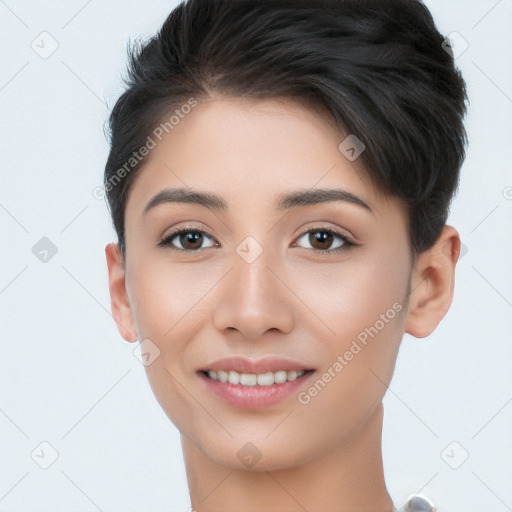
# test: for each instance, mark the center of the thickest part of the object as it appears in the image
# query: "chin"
(257, 455)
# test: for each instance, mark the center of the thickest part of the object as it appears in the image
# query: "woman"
(279, 180)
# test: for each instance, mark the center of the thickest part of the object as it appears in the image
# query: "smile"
(248, 383)
(252, 379)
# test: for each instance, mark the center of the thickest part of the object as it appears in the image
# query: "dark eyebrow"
(285, 201)
(319, 195)
(185, 195)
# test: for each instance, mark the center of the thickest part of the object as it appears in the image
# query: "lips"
(260, 366)
(246, 383)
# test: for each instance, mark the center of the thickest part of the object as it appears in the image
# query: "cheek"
(361, 304)
(169, 297)
(170, 311)
(350, 296)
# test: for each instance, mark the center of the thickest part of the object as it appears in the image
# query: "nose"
(255, 297)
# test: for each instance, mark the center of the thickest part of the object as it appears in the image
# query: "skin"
(290, 302)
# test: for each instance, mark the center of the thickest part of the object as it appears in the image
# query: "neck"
(346, 478)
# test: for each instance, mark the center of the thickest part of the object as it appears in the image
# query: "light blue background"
(68, 378)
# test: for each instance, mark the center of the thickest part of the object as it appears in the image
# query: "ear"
(432, 284)
(119, 302)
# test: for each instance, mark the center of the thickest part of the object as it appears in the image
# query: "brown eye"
(321, 240)
(189, 240)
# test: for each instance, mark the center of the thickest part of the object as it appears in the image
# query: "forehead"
(251, 152)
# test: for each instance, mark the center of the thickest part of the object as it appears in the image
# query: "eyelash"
(347, 243)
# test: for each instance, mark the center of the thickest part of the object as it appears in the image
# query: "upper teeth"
(252, 379)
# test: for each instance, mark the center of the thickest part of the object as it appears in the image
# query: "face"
(310, 286)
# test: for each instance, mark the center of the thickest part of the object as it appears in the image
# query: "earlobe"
(120, 304)
(432, 284)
